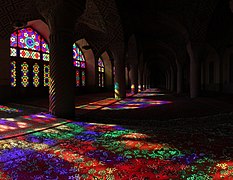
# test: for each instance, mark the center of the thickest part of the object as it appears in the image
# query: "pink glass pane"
(83, 65)
(13, 40)
(44, 46)
(28, 39)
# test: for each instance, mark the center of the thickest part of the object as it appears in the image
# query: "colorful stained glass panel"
(76, 63)
(29, 54)
(29, 39)
(99, 80)
(75, 53)
(102, 80)
(36, 78)
(13, 74)
(24, 74)
(83, 64)
(46, 75)
(83, 78)
(77, 78)
(13, 39)
(100, 62)
(13, 52)
(44, 46)
(46, 57)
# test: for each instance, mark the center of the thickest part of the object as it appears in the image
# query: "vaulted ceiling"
(162, 27)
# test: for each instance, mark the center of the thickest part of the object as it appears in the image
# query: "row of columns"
(62, 17)
(194, 75)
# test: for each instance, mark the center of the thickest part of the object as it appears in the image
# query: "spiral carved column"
(62, 76)
(61, 16)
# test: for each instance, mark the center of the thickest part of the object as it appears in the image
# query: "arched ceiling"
(153, 22)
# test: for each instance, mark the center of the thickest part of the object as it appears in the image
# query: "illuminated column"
(194, 73)
(133, 74)
(140, 80)
(119, 63)
(61, 17)
(179, 78)
(127, 76)
(144, 80)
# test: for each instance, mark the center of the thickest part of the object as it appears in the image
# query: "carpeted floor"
(80, 150)
(198, 147)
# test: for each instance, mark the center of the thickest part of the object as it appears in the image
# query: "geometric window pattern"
(46, 75)
(101, 72)
(36, 78)
(80, 65)
(13, 74)
(24, 74)
(28, 49)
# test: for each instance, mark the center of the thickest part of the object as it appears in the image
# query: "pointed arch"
(29, 53)
(80, 66)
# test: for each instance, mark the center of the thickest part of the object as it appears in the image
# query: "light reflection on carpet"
(9, 109)
(10, 127)
(131, 103)
(98, 104)
(95, 151)
(142, 94)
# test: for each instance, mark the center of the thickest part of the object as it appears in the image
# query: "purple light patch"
(135, 104)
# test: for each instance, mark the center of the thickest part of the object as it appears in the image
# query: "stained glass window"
(46, 75)
(27, 45)
(29, 39)
(36, 78)
(29, 54)
(83, 78)
(77, 78)
(80, 65)
(13, 74)
(24, 74)
(101, 72)
(13, 52)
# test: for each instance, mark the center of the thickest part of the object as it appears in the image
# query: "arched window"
(101, 72)
(80, 66)
(29, 54)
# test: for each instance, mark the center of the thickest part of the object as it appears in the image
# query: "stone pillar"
(133, 74)
(127, 76)
(168, 80)
(194, 73)
(172, 87)
(5, 78)
(140, 80)
(179, 78)
(119, 64)
(61, 17)
(144, 80)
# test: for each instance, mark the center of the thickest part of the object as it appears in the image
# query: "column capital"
(61, 14)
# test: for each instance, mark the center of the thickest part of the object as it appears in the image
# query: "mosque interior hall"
(116, 89)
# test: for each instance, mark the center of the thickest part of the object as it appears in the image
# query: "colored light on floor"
(135, 104)
(97, 104)
(9, 109)
(96, 151)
